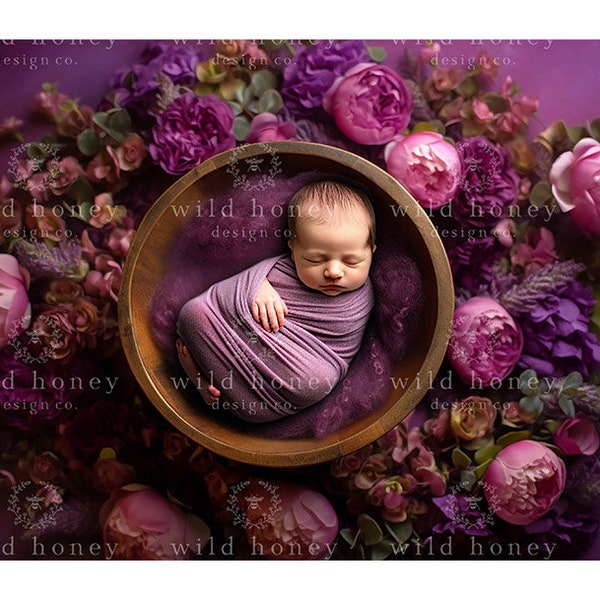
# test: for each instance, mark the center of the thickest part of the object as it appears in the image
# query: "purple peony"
(556, 333)
(190, 130)
(489, 184)
(136, 86)
(313, 71)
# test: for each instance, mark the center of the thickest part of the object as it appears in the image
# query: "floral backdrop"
(500, 459)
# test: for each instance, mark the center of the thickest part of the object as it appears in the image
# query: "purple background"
(563, 74)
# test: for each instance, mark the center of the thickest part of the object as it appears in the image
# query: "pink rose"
(472, 420)
(266, 127)
(63, 174)
(371, 104)
(577, 435)
(304, 527)
(15, 309)
(524, 481)
(392, 495)
(140, 524)
(575, 179)
(427, 165)
(485, 343)
(130, 154)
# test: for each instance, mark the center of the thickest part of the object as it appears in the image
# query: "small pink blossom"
(524, 481)
(49, 101)
(392, 495)
(15, 309)
(104, 211)
(577, 435)
(537, 250)
(266, 127)
(63, 174)
(131, 153)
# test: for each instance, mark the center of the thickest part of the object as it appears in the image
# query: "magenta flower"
(575, 179)
(371, 104)
(427, 165)
(296, 523)
(577, 435)
(143, 525)
(485, 344)
(15, 309)
(190, 130)
(266, 127)
(524, 481)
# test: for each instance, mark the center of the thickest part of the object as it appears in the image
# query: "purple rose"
(371, 104)
(427, 165)
(556, 333)
(190, 130)
(313, 71)
(489, 184)
(485, 343)
(136, 86)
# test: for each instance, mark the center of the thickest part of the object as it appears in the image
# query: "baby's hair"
(332, 195)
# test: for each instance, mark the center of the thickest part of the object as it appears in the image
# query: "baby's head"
(332, 227)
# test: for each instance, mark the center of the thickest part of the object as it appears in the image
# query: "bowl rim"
(292, 452)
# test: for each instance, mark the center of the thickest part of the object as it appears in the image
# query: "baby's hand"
(268, 308)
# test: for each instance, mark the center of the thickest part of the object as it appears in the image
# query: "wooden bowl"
(144, 269)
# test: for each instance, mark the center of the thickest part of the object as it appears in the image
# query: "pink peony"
(485, 343)
(266, 127)
(370, 103)
(427, 165)
(15, 309)
(524, 481)
(575, 179)
(290, 522)
(143, 525)
(577, 435)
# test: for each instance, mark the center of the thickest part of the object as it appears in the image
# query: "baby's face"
(333, 257)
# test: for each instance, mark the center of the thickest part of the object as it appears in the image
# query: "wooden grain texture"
(144, 269)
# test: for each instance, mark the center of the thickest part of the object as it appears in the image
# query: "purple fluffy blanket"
(263, 375)
(202, 255)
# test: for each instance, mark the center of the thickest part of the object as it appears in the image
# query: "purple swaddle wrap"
(263, 375)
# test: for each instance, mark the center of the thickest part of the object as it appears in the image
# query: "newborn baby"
(278, 337)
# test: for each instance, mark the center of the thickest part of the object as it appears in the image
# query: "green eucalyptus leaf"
(370, 530)
(511, 437)
(382, 550)
(236, 107)
(262, 81)
(270, 101)
(595, 129)
(460, 459)
(377, 53)
(572, 381)
(495, 102)
(83, 193)
(540, 194)
(566, 405)
(241, 128)
(528, 381)
(482, 468)
(577, 133)
(88, 142)
(401, 532)
(486, 453)
(531, 404)
(350, 537)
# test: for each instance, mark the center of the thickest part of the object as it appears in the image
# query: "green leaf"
(528, 381)
(262, 81)
(566, 405)
(270, 101)
(237, 108)
(401, 532)
(531, 404)
(486, 453)
(350, 536)
(511, 437)
(540, 193)
(495, 102)
(482, 468)
(381, 551)
(468, 480)
(241, 128)
(116, 122)
(88, 142)
(83, 193)
(435, 126)
(595, 129)
(369, 529)
(377, 53)
(577, 133)
(572, 381)
(460, 459)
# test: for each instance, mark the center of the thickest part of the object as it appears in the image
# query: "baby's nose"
(334, 271)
